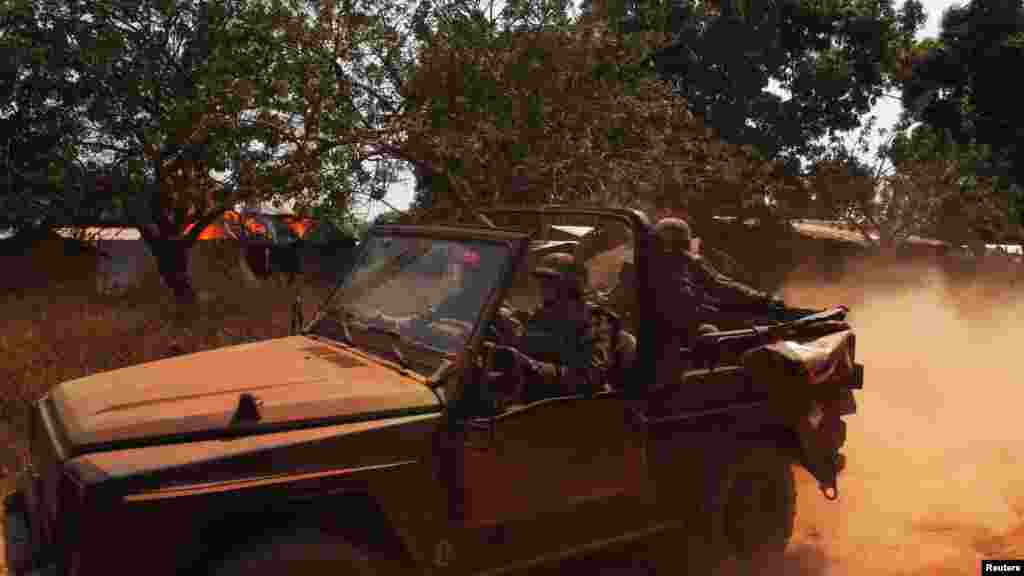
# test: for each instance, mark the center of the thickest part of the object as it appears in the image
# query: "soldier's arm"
(725, 289)
(547, 376)
(578, 374)
(626, 348)
(608, 361)
(554, 379)
(623, 355)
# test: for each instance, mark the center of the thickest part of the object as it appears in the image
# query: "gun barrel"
(751, 337)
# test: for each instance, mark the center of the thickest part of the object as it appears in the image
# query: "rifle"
(708, 348)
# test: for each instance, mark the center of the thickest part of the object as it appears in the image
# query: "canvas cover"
(788, 367)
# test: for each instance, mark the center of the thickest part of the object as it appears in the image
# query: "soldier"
(700, 293)
(560, 348)
(692, 292)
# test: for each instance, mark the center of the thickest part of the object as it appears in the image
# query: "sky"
(887, 110)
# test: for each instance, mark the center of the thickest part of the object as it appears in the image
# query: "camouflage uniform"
(564, 351)
(692, 296)
(691, 287)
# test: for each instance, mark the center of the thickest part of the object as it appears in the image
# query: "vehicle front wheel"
(302, 551)
(760, 510)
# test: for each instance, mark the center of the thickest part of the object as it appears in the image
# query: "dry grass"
(56, 327)
(66, 331)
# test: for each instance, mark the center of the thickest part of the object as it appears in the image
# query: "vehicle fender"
(355, 518)
(198, 525)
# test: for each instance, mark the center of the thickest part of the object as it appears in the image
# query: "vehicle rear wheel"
(302, 551)
(760, 510)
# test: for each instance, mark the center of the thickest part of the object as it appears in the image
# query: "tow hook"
(831, 490)
(831, 493)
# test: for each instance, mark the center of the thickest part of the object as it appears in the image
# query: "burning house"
(258, 244)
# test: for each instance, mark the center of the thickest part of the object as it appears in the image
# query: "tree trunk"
(172, 257)
(243, 262)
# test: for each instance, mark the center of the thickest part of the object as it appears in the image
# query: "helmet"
(673, 235)
(561, 266)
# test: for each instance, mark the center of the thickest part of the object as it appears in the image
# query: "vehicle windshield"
(413, 299)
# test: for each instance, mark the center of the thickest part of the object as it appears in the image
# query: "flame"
(300, 226)
(208, 233)
(218, 231)
(255, 227)
(214, 231)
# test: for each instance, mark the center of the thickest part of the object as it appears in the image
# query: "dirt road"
(933, 484)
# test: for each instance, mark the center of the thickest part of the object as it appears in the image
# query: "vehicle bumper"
(22, 558)
(823, 433)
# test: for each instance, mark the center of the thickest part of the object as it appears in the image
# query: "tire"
(682, 553)
(302, 551)
(760, 510)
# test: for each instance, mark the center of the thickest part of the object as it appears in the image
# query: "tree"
(956, 86)
(729, 58)
(977, 207)
(904, 192)
(555, 113)
(41, 177)
(201, 105)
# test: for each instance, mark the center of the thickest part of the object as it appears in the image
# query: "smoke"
(932, 486)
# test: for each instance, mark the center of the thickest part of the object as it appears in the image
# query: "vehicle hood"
(296, 380)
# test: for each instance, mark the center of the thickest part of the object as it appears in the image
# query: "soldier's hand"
(507, 324)
(508, 359)
(505, 358)
(529, 365)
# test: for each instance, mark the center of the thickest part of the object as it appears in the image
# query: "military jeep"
(376, 439)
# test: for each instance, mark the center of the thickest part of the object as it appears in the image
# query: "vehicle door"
(556, 476)
(551, 476)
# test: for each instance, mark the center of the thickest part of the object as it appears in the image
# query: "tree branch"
(389, 205)
(342, 76)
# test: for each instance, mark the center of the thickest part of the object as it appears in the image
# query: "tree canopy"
(778, 75)
(43, 177)
(956, 87)
(532, 111)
